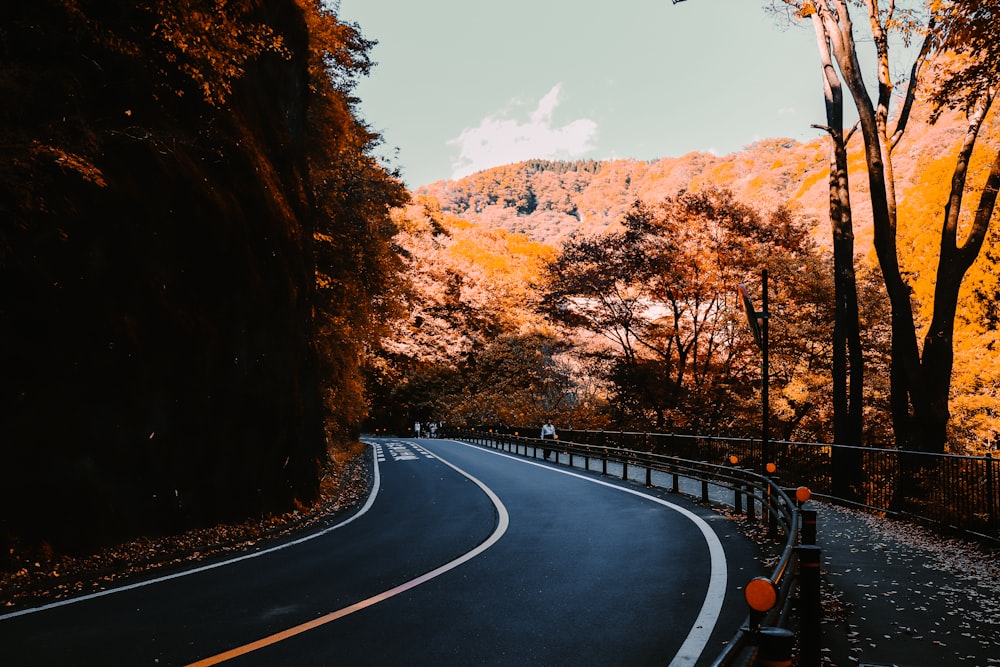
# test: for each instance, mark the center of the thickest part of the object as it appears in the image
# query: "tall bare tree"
(920, 376)
(848, 355)
(920, 380)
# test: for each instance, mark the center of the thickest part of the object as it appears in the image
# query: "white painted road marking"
(426, 454)
(400, 450)
(503, 521)
(111, 591)
(708, 616)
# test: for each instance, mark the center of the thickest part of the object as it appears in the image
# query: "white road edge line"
(701, 631)
(204, 568)
(503, 521)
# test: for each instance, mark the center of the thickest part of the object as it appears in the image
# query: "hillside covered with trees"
(194, 243)
(644, 343)
(209, 285)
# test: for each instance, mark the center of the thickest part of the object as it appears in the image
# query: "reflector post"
(760, 594)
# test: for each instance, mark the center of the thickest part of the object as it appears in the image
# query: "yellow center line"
(502, 523)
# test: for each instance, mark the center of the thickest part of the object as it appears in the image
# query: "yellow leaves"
(71, 162)
(213, 47)
(516, 259)
(453, 222)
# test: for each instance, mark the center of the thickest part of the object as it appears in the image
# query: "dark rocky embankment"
(156, 333)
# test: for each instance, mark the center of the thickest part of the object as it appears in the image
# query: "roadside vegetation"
(209, 286)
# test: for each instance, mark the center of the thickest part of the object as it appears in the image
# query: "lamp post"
(758, 325)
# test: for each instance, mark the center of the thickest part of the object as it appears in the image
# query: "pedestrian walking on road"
(548, 433)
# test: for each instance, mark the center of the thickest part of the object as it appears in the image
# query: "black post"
(810, 610)
(772, 514)
(775, 647)
(991, 508)
(808, 526)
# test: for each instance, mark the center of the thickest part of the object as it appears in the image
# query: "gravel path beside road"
(911, 596)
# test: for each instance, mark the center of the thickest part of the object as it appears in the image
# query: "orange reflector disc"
(734, 459)
(802, 494)
(771, 468)
(760, 594)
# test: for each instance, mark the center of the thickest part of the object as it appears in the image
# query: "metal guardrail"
(951, 491)
(763, 630)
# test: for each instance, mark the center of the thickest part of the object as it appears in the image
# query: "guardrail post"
(649, 476)
(772, 514)
(624, 469)
(738, 497)
(604, 462)
(704, 490)
(810, 611)
(751, 503)
(808, 535)
(775, 647)
(991, 508)
(677, 483)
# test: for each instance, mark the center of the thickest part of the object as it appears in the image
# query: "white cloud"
(499, 140)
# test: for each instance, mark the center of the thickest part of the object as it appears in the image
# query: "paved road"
(462, 555)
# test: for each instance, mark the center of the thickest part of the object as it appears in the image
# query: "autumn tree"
(357, 268)
(186, 195)
(471, 350)
(847, 351)
(921, 380)
(521, 380)
(660, 294)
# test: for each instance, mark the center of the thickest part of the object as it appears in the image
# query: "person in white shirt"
(548, 433)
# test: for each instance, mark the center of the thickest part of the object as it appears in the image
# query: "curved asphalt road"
(462, 556)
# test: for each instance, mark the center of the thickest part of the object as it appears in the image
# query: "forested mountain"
(208, 282)
(552, 201)
(562, 206)
(187, 208)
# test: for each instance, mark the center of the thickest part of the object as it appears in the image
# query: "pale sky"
(464, 85)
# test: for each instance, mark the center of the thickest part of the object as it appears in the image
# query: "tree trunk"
(905, 364)
(953, 263)
(848, 357)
